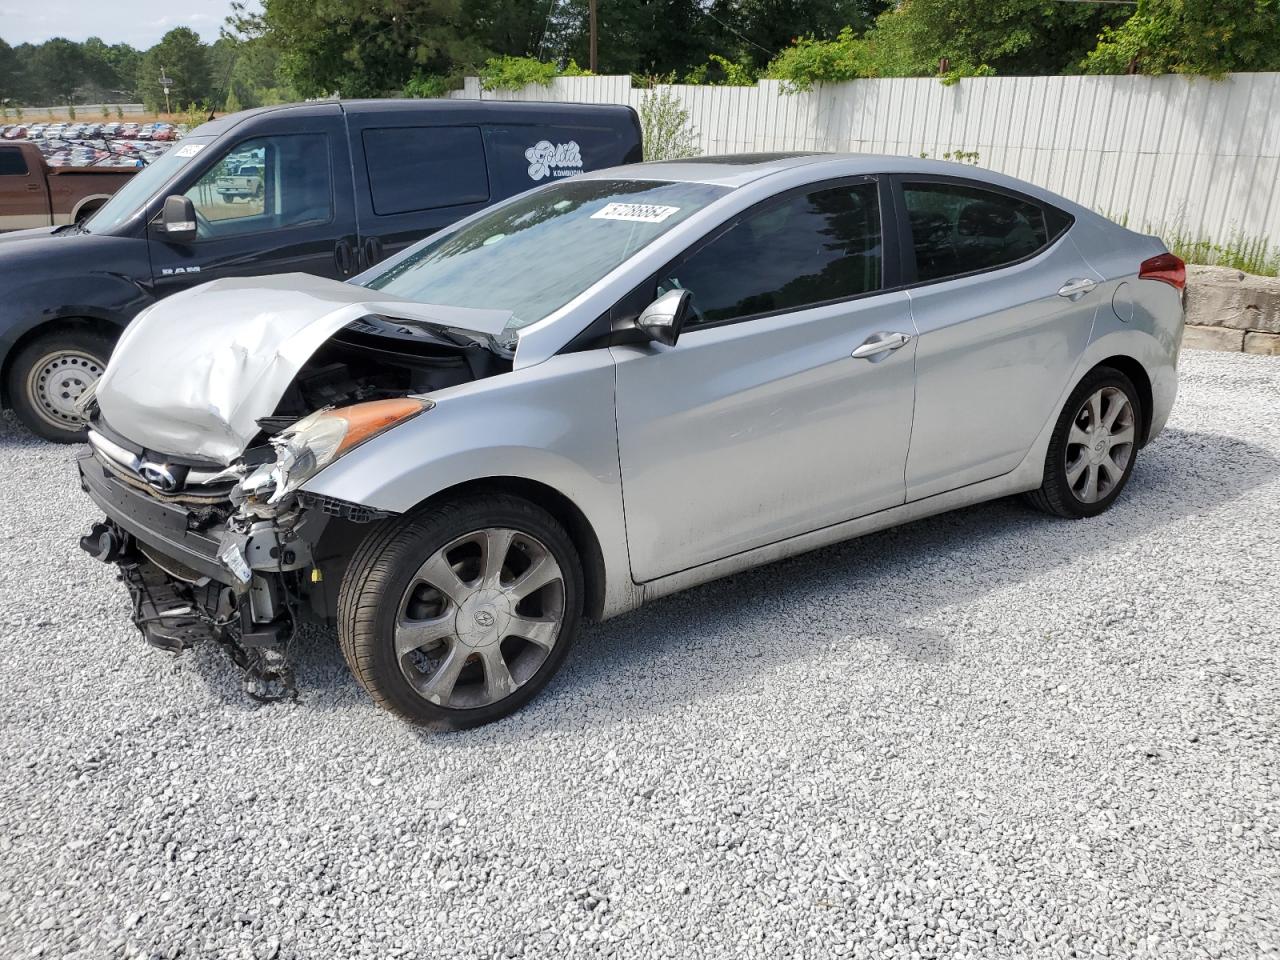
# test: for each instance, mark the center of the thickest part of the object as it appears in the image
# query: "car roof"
(739, 170)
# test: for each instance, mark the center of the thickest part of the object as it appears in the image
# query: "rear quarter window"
(421, 168)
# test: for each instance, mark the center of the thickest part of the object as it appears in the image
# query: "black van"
(323, 188)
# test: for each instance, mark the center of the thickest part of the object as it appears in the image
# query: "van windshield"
(145, 184)
(534, 255)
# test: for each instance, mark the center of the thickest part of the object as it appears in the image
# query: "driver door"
(760, 423)
(277, 202)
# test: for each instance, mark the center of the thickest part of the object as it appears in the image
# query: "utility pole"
(592, 56)
(166, 83)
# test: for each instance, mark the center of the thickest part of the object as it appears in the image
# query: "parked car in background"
(243, 183)
(36, 131)
(757, 355)
(35, 194)
(16, 132)
(344, 184)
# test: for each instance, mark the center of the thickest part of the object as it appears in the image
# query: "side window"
(805, 249)
(12, 163)
(958, 229)
(268, 183)
(419, 168)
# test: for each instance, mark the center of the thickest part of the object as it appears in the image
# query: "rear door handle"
(880, 343)
(1076, 288)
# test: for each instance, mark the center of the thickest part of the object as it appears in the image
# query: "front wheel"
(1093, 448)
(460, 615)
(49, 375)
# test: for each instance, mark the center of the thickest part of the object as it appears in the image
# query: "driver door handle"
(880, 343)
(1076, 288)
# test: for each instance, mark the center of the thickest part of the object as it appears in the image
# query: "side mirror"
(662, 320)
(178, 220)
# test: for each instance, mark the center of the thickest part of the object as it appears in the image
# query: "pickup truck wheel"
(458, 616)
(48, 376)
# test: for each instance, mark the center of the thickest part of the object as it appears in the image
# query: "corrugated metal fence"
(1170, 154)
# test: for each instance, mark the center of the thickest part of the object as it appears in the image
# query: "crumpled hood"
(192, 374)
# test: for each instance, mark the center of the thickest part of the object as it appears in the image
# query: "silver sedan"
(612, 388)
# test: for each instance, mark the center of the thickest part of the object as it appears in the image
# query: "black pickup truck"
(339, 185)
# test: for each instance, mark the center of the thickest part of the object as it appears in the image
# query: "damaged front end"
(222, 542)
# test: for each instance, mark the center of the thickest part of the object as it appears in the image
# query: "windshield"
(534, 255)
(144, 184)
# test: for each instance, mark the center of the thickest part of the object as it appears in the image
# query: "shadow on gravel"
(692, 645)
(718, 636)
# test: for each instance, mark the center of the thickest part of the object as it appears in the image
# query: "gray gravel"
(991, 734)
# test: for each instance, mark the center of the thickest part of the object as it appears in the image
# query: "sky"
(138, 22)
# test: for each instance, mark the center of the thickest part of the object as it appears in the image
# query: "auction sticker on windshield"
(635, 212)
(190, 149)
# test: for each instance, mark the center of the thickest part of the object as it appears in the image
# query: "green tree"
(1209, 37)
(61, 67)
(10, 73)
(185, 60)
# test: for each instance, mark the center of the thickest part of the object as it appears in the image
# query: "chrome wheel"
(56, 382)
(1100, 445)
(479, 618)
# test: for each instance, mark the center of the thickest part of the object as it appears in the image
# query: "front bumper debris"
(200, 575)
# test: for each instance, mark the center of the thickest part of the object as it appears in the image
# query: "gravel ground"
(990, 734)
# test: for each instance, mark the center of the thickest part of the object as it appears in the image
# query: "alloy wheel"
(1100, 444)
(479, 618)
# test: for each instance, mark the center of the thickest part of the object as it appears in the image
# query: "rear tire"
(440, 617)
(49, 374)
(1093, 448)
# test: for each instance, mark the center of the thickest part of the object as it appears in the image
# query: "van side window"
(12, 163)
(418, 168)
(267, 183)
(957, 229)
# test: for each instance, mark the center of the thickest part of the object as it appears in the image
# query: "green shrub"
(515, 73)
(428, 85)
(720, 71)
(664, 125)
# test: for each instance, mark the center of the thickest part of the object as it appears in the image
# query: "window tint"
(12, 163)
(804, 249)
(417, 168)
(958, 229)
(267, 183)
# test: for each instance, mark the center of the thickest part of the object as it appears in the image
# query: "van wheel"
(460, 615)
(48, 376)
(1093, 448)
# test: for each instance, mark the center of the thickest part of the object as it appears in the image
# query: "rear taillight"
(1166, 268)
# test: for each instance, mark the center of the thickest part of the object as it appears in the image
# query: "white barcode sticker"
(635, 212)
(189, 149)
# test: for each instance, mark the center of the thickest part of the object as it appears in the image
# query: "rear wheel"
(1094, 447)
(460, 615)
(49, 375)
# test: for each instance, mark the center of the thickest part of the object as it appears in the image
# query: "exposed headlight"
(315, 441)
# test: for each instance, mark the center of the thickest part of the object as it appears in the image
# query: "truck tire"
(49, 374)
(457, 616)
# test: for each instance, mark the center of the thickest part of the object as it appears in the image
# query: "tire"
(42, 401)
(395, 588)
(1081, 449)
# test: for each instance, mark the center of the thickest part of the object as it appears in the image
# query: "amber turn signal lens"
(365, 420)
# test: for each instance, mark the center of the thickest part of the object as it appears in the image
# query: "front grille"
(192, 485)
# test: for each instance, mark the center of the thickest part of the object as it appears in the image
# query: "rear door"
(997, 339)
(298, 215)
(24, 196)
(413, 177)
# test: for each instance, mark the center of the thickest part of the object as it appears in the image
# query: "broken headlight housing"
(305, 448)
